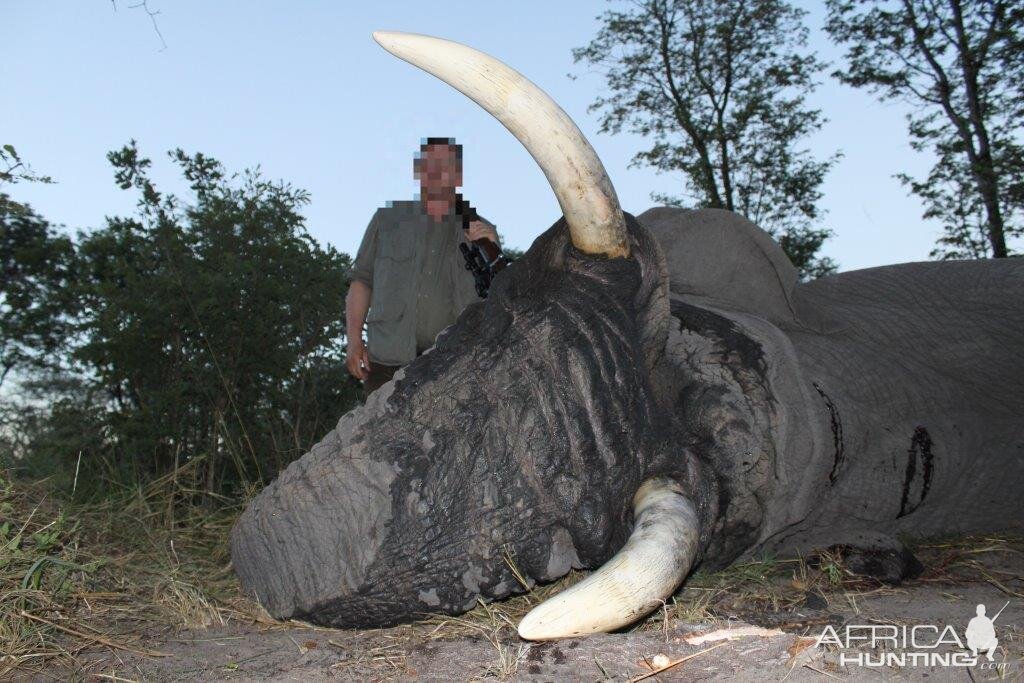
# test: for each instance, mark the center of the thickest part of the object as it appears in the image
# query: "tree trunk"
(990, 195)
(982, 166)
(682, 115)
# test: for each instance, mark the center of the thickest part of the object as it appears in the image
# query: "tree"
(211, 329)
(14, 169)
(961, 67)
(37, 264)
(720, 86)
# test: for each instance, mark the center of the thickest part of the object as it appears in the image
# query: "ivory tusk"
(571, 165)
(639, 578)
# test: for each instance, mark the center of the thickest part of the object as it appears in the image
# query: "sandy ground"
(781, 651)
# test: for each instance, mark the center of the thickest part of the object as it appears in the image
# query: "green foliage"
(512, 253)
(13, 169)
(951, 196)
(210, 330)
(720, 87)
(16, 170)
(801, 246)
(61, 433)
(37, 266)
(961, 66)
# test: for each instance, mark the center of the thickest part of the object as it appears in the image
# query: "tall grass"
(75, 577)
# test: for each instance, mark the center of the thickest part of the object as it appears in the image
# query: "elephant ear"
(719, 257)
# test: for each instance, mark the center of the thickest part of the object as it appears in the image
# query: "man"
(409, 274)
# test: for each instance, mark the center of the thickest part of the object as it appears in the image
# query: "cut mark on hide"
(920, 449)
(836, 423)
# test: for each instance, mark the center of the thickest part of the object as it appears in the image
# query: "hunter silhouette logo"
(981, 633)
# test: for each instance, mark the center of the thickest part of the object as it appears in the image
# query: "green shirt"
(418, 279)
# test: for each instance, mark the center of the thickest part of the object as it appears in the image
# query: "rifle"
(483, 257)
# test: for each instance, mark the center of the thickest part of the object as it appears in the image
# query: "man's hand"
(356, 305)
(358, 360)
(479, 229)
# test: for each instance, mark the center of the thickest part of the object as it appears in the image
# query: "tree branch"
(682, 112)
(144, 4)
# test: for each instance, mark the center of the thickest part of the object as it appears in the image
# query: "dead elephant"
(644, 396)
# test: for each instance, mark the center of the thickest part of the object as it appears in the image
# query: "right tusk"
(576, 174)
(641, 576)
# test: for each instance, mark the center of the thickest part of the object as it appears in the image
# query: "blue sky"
(301, 89)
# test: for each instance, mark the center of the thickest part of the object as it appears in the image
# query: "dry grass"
(118, 576)
(74, 578)
(741, 591)
(768, 591)
(771, 591)
(391, 653)
(496, 622)
(761, 586)
(954, 561)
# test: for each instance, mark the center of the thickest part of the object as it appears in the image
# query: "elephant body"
(645, 396)
(849, 410)
(854, 409)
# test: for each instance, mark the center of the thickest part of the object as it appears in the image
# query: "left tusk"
(641, 576)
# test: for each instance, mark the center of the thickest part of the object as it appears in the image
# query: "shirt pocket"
(396, 242)
(392, 274)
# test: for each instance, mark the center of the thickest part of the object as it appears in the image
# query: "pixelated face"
(439, 170)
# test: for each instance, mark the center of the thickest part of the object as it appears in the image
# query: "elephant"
(646, 395)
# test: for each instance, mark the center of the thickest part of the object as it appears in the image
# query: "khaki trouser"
(379, 375)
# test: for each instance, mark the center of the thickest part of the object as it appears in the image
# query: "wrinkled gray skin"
(843, 411)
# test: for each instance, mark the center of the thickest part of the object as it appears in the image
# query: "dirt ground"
(709, 627)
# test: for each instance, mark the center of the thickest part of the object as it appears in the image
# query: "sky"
(301, 90)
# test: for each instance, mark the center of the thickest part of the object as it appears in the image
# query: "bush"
(210, 330)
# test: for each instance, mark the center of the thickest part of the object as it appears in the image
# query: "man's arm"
(357, 303)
